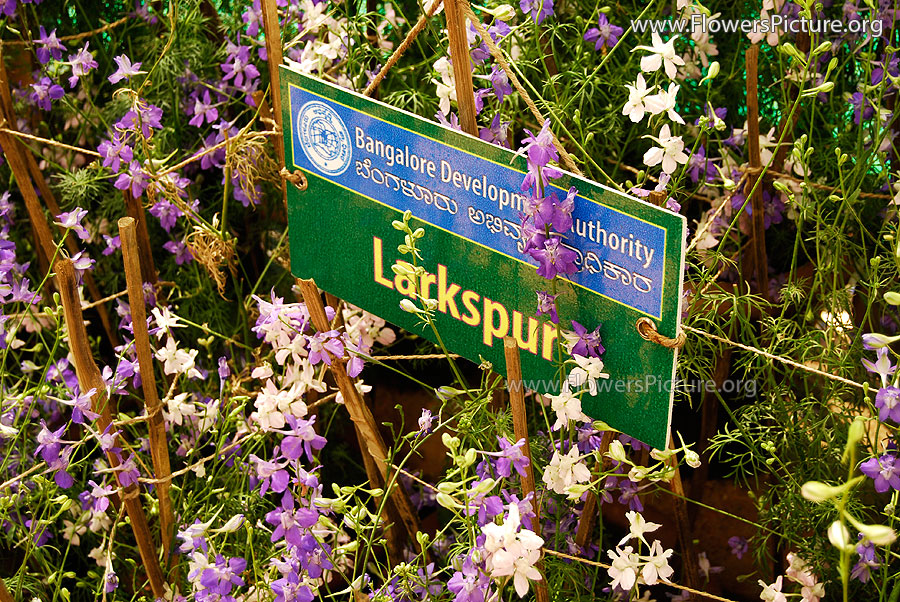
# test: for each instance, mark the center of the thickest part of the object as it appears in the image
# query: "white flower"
(164, 320)
(657, 566)
(178, 407)
(637, 526)
(177, 361)
(670, 151)
(587, 371)
(513, 552)
(662, 54)
(772, 593)
(664, 102)
(704, 47)
(624, 569)
(634, 107)
(567, 407)
(566, 470)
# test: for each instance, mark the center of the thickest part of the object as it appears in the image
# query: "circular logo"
(324, 138)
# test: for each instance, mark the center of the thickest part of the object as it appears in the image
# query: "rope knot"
(294, 177)
(647, 329)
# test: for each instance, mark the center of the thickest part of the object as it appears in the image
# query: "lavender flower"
(46, 91)
(539, 9)
(48, 46)
(72, 219)
(606, 35)
(554, 258)
(587, 344)
(547, 306)
(82, 62)
(887, 400)
(868, 560)
(135, 180)
(739, 546)
(126, 69)
(115, 152)
(884, 471)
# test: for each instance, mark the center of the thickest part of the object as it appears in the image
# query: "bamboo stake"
(516, 389)
(760, 261)
(5, 596)
(589, 512)
(159, 450)
(274, 59)
(136, 211)
(689, 566)
(89, 378)
(360, 414)
(462, 65)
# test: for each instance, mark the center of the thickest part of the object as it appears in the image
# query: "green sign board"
(367, 162)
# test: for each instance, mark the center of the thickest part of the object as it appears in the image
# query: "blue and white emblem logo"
(324, 138)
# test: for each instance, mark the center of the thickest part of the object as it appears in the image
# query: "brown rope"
(427, 356)
(404, 45)
(294, 177)
(647, 329)
(48, 142)
(77, 36)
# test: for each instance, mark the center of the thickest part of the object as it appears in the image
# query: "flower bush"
(165, 111)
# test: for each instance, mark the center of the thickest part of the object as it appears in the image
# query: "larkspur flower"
(48, 46)
(554, 258)
(884, 471)
(539, 9)
(635, 106)
(511, 457)
(881, 366)
(425, 421)
(583, 342)
(887, 400)
(670, 151)
(72, 219)
(323, 345)
(555, 213)
(116, 151)
(739, 546)
(565, 470)
(82, 62)
(46, 91)
(567, 407)
(868, 560)
(547, 306)
(126, 70)
(134, 180)
(662, 54)
(606, 35)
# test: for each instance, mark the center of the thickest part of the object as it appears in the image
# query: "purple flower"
(126, 70)
(272, 475)
(143, 117)
(863, 109)
(540, 148)
(739, 545)
(547, 306)
(882, 365)
(111, 582)
(887, 400)
(554, 258)
(699, 167)
(868, 560)
(500, 83)
(72, 219)
(115, 151)
(46, 91)
(134, 179)
(321, 343)
(605, 35)
(288, 589)
(128, 472)
(425, 421)
(49, 443)
(49, 46)
(81, 62)
(891, 65)
(883, 471)
(100, 494)
(558, 215)
(289, 522)
(237, 66)
(587, 343)
(497, 133)
(180, 250)
(81, 407)
(252, 17)
(204, 110)
(470, 583)
(167, 214)
(539, 9)
(221, 578)
(511, 457)
(303, 438)
(113, 244)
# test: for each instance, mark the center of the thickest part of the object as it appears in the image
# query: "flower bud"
(408, 306)
(874, 340)
(839, 536)
(617, 452)
(449, 441)
(484, 486)
(446, 501)
(892, 298)
(448, 487)
(234, 523)
(880, 535)
(403, 268)
(817, 491)
(575, 492)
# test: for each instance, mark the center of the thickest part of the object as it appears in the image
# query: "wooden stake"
(589, 512)
(760, 261)
(89, 378)
(462, 64)
(159, 449)
(5, 596)
(360, 414)
(689, 565)
(274, 59)
(136, 212)
(520, 426)
(657, 197)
